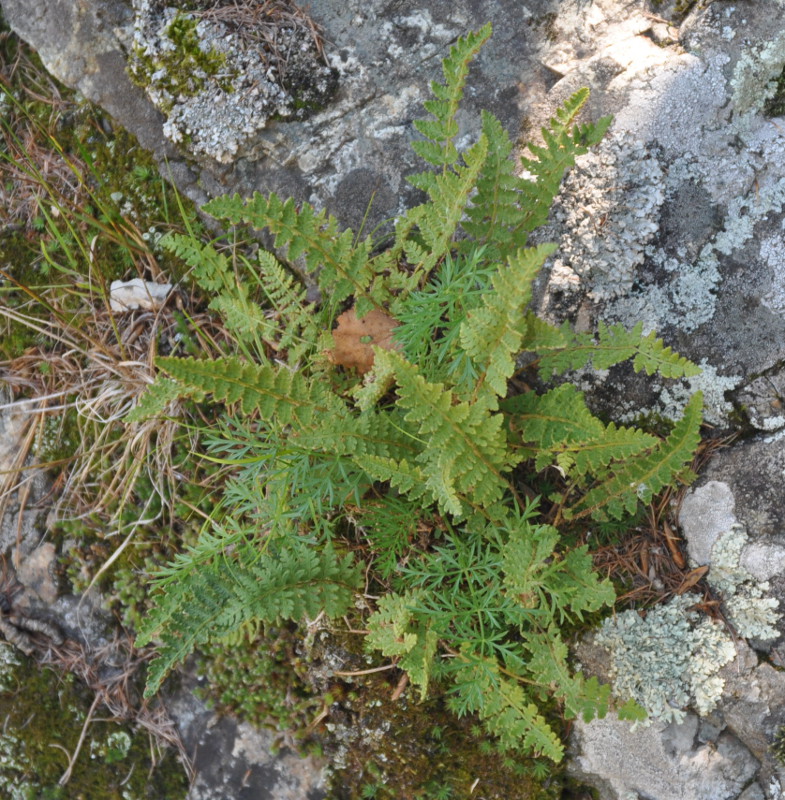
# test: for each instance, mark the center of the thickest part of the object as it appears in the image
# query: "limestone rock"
(666, 762)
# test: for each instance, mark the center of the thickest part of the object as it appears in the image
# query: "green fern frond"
(493, 333)
(559, 423)
(157, 397)
(282, 394)
(299, 322)
(615, 344)
(551, 588)
(465, 449)
(641, 477)
(230, 297)
(548, 661)
(407, 478)
(344, 269)
(449, 195)
(215, 601)
(496, 212)
(441, 131)
(551, 160)
(504, 707)
(370, 433)
(394, 631)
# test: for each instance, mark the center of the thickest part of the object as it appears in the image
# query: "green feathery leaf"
(219, 599)
(641, 477)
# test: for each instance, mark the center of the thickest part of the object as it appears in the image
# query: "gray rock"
(676, 220)
(352, 155)
(706, 513)
(662, 761)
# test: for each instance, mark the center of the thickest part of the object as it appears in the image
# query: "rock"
(662, 761)
(675, 221)
(234, 760)
(352, 155)
(137, 293)
(35, 572)
(706, 513)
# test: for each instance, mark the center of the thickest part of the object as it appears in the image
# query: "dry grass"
(88, 365)
(111, 672)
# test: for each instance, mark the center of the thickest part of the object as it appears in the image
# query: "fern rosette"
(424, 467)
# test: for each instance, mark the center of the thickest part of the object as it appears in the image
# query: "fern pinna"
(432, 433)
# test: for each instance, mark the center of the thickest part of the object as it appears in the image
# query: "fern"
(344, 269)
(504, 706)
(424, 464)
(218, 599)
(159, 395)
(283, 394)
(641, 477)
(492, 334)
(392, 630)
(466, 450)
(441, 131)
(561, 350)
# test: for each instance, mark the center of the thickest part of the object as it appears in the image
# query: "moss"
(777, 747)
(264, 682)
(184, 70)
(44, 715)
(389, 748)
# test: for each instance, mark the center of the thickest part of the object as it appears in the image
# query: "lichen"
(668, 660)
(752, 614)
(217, 85)
(755, 80)
(671, 658)
(610, 204)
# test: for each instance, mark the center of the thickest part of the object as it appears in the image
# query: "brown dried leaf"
(691, 578)
(354, 339)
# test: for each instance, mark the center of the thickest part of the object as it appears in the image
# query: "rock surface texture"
(675, 221)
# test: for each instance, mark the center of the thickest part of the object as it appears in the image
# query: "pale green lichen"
(753, 615)
(668, 660)
(672, 658)
(755, 80)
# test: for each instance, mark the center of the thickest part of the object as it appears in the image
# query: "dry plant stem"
(66, 776)
(364, 671)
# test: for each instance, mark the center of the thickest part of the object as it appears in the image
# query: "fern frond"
(504, 707)
(230, 298)
(394, 630)
(282, 394)
(408, 479)
(440, 150)
(370, 433)
(465, 450)
(215, 601)
(641, 477)
(551, 160)
(558, 589)
(615, 344)
(493, 333)
(495, 212)
(344, 269)
(299, 321)
(549, 653)
(558, 423)
(449, 195)
(157, 397)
